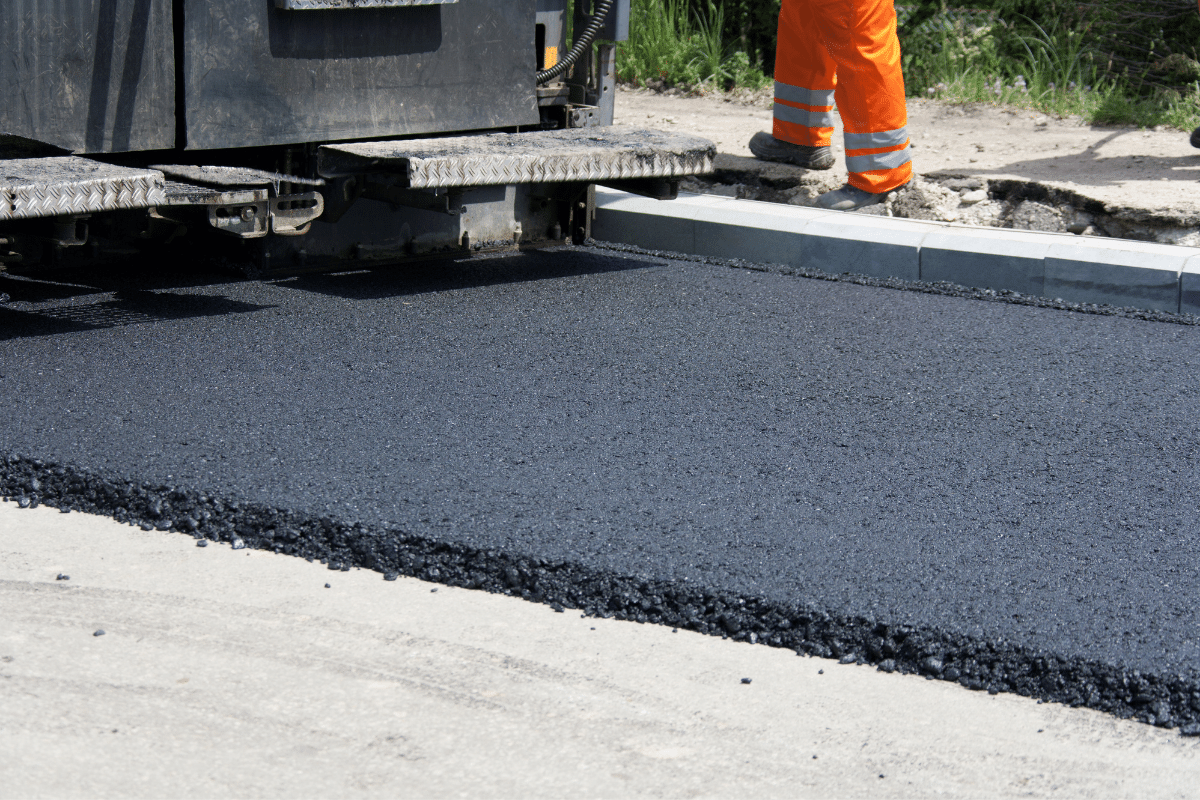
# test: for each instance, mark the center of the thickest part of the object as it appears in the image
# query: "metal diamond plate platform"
(51, 187)
(182, 193)
(232, 176)
(590, 155)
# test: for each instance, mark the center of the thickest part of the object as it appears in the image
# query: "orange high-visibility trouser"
(844, 51)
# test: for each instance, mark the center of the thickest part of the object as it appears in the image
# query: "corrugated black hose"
(581, 44)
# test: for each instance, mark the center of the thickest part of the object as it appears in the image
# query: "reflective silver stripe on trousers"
(874, 141)
(890, 160)
(798, 94)
(809, 119)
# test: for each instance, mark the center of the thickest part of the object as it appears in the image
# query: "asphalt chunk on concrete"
(998, 495)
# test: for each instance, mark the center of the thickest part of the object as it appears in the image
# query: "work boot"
(768, 148)
(850, 198)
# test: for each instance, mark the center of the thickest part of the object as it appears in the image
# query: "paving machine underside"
(308, 133)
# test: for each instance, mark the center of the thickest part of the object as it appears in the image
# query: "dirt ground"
(975, 164)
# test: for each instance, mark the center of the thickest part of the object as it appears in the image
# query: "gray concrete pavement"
(228, 673)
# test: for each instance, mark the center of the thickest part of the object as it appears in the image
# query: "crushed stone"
(983, 202)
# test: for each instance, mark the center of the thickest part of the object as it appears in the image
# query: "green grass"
(1105, 103)
(1054, 72)
(671, 46)
(955, 56)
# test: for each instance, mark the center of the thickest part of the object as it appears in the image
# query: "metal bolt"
(248, 213)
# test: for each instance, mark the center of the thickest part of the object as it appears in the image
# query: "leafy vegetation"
(1056, 62)
(672, 45)
(1109, 61)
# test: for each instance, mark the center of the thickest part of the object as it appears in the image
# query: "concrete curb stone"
(986, 258)
(774, 236)
(630, 219)
(1116, 272)
(1189, 287)
(879, 247)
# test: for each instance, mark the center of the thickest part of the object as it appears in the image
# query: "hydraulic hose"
(581, 44)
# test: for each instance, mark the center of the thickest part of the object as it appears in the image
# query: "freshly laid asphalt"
(815, 463)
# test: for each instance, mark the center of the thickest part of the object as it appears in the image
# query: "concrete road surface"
(226, 673)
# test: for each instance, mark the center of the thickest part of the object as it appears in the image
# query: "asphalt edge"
(979, 663)
(1061, 267)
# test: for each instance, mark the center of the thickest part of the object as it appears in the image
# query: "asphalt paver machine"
(286, 133)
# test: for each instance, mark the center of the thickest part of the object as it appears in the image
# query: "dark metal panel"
(255, 74)
(616, 24)
(90, 76)
(321, 5)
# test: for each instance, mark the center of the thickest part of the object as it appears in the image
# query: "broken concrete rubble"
(967, 200)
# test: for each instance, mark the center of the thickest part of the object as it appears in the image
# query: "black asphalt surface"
(998, 494)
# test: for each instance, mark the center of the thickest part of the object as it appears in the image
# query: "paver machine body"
(312, 132)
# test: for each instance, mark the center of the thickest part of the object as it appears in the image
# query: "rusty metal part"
(581, 116)
(249, 213)
(232, 176)
(244, 213)
(291, 214)
(243, 220)
(180, 193)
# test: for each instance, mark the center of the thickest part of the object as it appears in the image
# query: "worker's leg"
(860, 37)
(803, 119)
(804, 78)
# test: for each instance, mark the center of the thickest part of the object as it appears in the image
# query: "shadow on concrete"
(1090, 168)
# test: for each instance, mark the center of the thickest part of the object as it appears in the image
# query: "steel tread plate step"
(51, 187)
(182, 193)
(231, 177)
(564, 156)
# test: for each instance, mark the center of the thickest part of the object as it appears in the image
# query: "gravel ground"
(988, 493)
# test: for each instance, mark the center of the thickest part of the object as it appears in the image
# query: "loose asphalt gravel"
(1000, 494)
